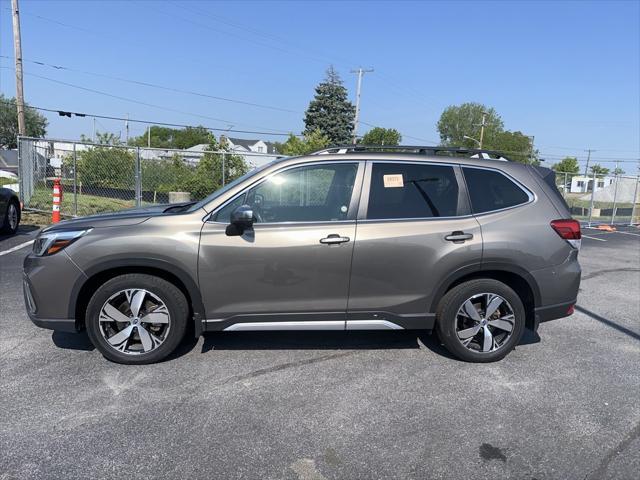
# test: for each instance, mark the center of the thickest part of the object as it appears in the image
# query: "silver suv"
(345, 239)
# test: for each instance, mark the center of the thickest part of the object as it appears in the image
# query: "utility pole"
(482, 125)
(126, 130)
(17, 46)
(586, 168)
(149, 136)
(93, 138)
(360, 71)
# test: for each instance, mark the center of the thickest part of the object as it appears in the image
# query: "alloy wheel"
(134, 321)
(485, 322)
(12, 215)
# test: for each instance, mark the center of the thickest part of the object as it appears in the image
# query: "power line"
(55, 21)
(161, 87)
(66, 113)
(131, 100)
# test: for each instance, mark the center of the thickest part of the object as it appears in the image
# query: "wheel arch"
(98, 275)
(521, 281)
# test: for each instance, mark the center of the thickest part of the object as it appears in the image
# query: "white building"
(582, 184)
(255, 152)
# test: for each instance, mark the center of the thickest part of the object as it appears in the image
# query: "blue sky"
(566, 72)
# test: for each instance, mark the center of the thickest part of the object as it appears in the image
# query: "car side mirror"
(241, 219)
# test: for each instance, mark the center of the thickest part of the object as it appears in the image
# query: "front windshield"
(229, 186)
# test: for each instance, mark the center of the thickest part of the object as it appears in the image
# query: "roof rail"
(416, 149)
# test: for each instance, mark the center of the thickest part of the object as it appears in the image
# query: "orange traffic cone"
(55, 213)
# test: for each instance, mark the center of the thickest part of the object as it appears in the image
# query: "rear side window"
(490, 190)
(406, 190)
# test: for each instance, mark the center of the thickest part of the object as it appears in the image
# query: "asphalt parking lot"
(564, 405)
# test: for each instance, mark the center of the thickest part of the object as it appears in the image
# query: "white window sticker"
(393, 181)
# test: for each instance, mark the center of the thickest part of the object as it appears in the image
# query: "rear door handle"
(459, 237)
(334, 239)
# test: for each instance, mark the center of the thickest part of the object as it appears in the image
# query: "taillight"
(568, 229)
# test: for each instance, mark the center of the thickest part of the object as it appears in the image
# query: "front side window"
(314, 193)
(491, 190)
(412, 190)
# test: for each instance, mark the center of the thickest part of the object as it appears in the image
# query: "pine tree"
(330, 111)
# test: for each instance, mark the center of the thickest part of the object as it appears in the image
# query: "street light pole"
(471, 138)
(484, 116)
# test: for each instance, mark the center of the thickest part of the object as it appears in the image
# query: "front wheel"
(136, 318)
(481, 320)
(11, 218)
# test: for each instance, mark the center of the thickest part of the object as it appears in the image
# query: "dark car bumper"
(553, 312)
(47, 287)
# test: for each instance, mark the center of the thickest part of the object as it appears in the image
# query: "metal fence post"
(75, 181)
(138, 174)
(615, 197)
(635, 197)
(223, 169)
(593, 192)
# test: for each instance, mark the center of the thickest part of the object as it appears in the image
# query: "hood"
(132, 216)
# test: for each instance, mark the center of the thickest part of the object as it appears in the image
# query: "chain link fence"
(599, 199)
(99, 178)
(105, 178)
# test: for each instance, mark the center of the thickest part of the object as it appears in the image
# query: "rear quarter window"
(490, 190)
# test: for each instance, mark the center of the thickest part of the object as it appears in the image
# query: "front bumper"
(47, 287)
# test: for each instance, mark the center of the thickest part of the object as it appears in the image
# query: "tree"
(598, 169)
(106, 167)
(330, 111)
(567, 165)
(618, 171)
(515, 145)
(178, 138)
(35, 123)
(382, 136)
(311, 142)
(456, 122)
(103, 138)
(207, 177)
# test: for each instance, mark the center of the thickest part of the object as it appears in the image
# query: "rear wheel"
(136, 318)
(11, 218)
(481, 320)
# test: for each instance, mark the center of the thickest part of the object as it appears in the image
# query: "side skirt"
(333, 321)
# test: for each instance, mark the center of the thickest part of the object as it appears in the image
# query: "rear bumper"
(559, 286)
(552, 312)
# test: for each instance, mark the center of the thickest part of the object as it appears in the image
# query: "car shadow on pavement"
(23, 230)
(72, 341)
(341, 340)
(291, 340)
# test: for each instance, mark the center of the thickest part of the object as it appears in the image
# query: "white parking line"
(631, 233)
(594, 238)
(17, 247)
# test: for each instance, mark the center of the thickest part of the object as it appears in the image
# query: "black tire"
(447, 319)
(167, 292)
(5, 228)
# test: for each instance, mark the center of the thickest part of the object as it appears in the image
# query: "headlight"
(48, 243)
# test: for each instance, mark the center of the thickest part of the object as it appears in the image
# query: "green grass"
(87, 204)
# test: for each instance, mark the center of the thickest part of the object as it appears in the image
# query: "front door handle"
(459, 237)
(334, 239)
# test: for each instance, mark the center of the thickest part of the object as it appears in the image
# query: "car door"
(414, 231)
(291, 270)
